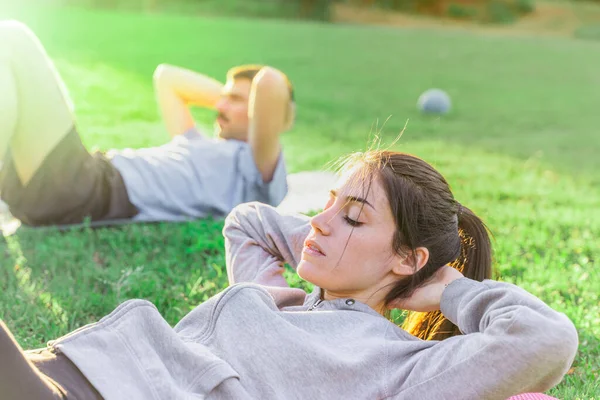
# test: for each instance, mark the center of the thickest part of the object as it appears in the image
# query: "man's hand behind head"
(277, 87)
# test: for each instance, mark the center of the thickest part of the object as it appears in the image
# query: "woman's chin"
(300, 270)
(306, 271)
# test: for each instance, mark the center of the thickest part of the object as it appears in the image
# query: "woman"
(391, 236)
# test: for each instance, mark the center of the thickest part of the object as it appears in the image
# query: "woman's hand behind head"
(427, 297)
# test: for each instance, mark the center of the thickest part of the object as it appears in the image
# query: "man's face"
(232, 108)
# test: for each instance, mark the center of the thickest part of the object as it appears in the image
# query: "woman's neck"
(372, 300)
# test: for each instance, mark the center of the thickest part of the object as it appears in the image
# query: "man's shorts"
(70, 186)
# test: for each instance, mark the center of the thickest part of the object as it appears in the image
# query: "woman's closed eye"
(352, 222)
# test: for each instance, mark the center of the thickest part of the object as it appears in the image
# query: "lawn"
(520, 148)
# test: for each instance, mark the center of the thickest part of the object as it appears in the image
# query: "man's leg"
(8, 106)
(35, 110)
(19, 379)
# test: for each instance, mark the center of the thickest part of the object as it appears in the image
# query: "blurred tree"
(501, 11)
(316, 9)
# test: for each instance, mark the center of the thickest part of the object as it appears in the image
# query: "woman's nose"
(321, 223)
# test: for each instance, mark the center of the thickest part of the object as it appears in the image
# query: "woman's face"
(348, 251)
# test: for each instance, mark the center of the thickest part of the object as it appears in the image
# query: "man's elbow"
(162, 72)
(270, 80)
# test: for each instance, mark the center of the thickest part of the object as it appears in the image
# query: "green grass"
(589, 31)
(520, 148)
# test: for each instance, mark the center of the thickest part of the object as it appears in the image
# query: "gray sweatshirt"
(273, 342)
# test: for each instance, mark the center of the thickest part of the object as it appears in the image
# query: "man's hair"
(249, 72)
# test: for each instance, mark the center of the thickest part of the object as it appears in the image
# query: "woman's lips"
(312, 248)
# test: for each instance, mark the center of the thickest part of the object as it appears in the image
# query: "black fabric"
(64, 374)
(19, 379)
(70, 186)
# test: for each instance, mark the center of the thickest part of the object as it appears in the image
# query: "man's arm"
(177, 89)
(270, 112)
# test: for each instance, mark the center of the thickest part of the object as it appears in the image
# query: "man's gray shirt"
(193, 176)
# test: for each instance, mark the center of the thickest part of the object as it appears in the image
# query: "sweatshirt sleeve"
(259, 240)
(512, 343)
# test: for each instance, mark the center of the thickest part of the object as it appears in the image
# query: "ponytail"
(475, 259)
(474, 262)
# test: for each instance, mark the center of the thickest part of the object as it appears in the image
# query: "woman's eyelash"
(352, 222)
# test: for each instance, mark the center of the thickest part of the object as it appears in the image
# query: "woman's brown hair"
(427, 215)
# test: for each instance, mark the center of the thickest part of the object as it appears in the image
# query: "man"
(48, 177)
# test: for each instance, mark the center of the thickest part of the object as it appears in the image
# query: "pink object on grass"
(532, 396)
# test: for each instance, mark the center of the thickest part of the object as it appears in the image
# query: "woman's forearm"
(258, 240)
(512, 343)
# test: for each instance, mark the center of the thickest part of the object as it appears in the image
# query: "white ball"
(434, 101)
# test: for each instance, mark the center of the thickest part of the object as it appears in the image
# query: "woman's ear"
(412, 262)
